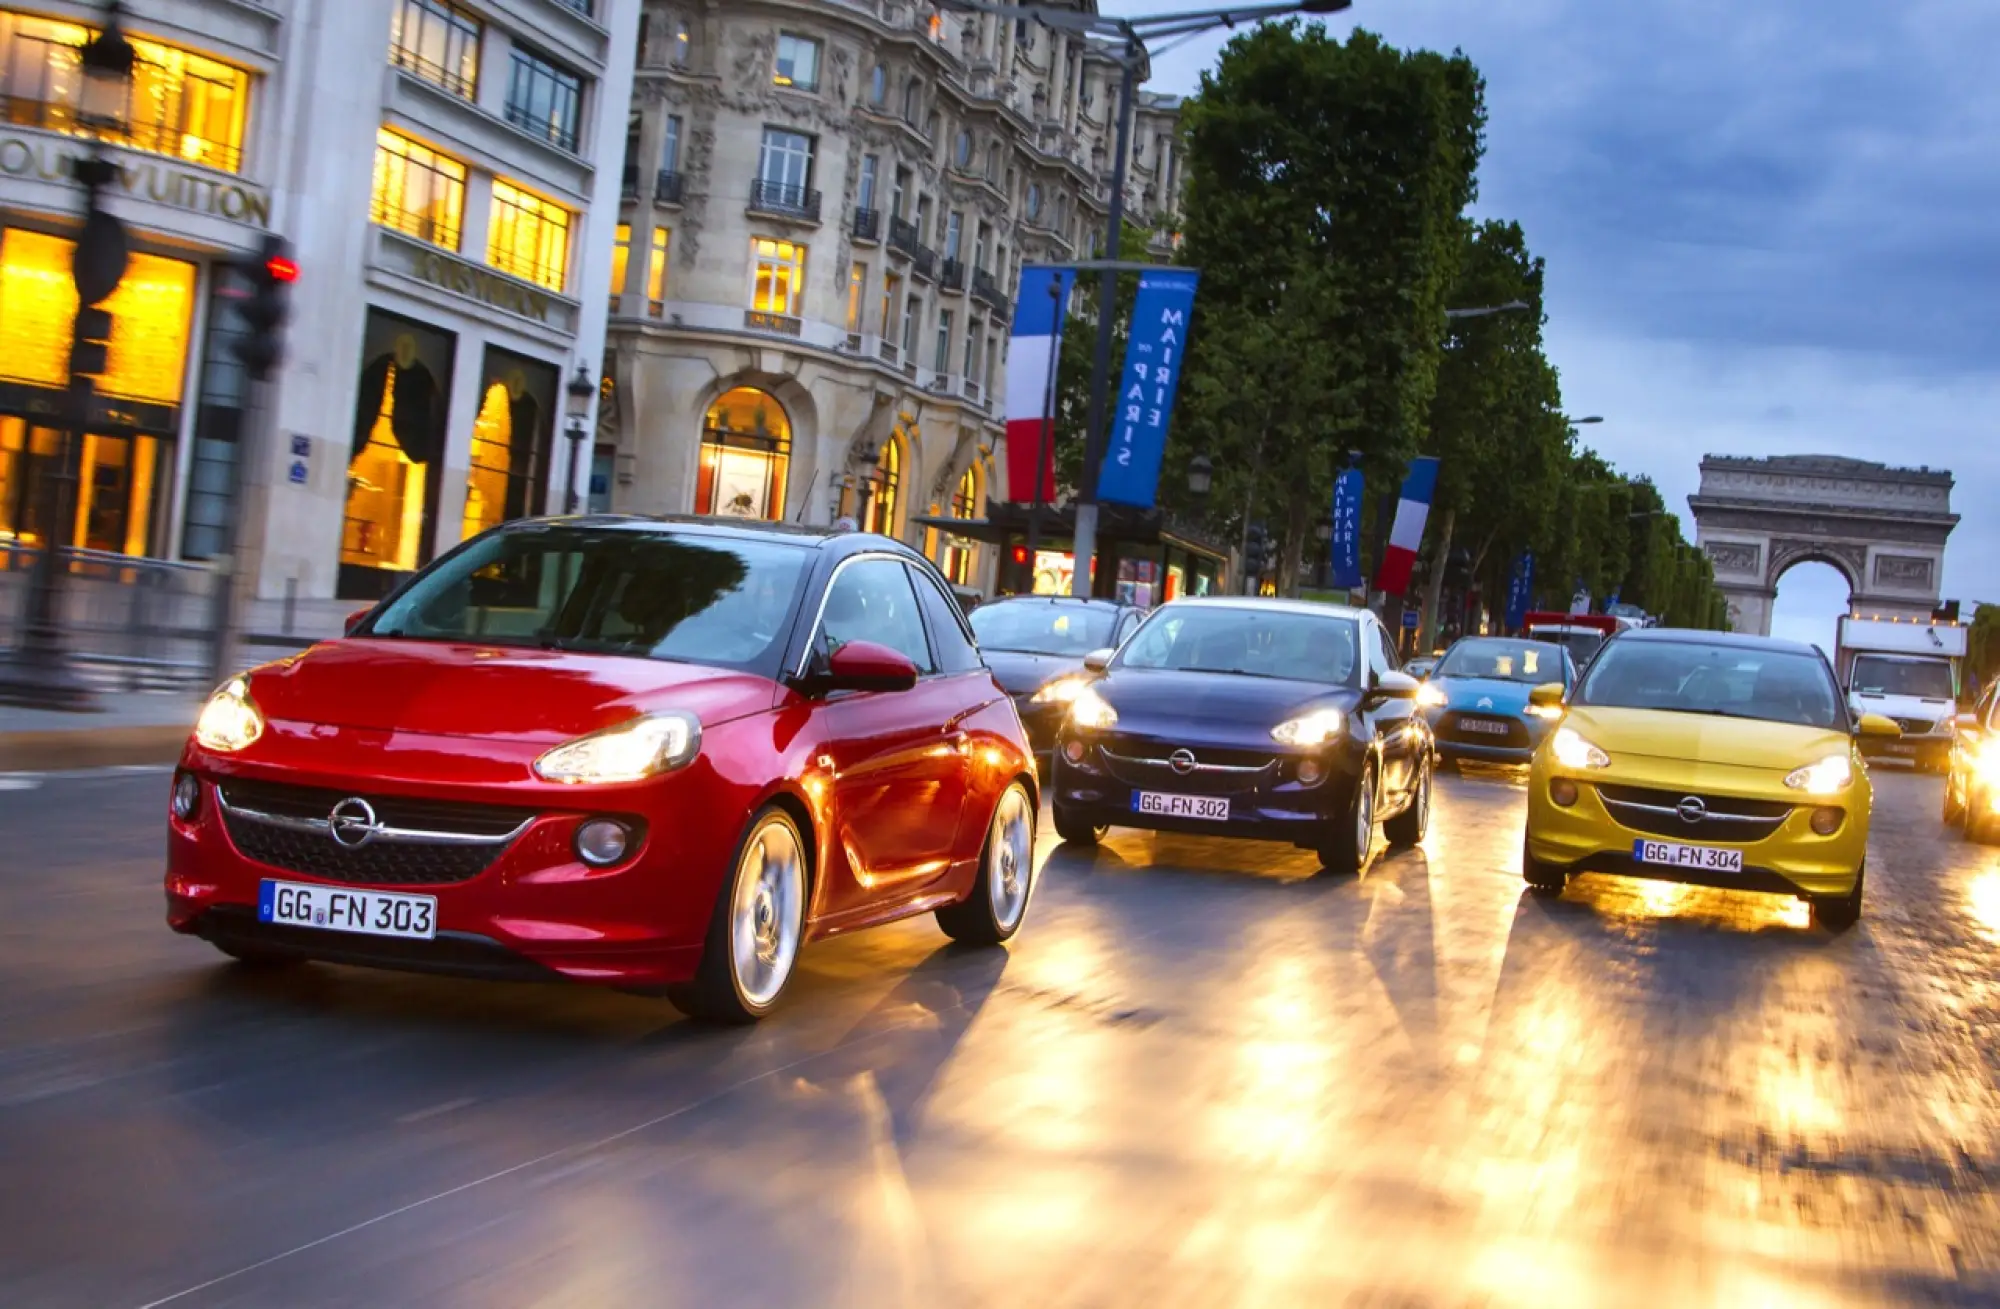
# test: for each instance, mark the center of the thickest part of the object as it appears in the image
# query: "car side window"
(1126, 626)
(950, 637)
(871, 600)
(1381, 659)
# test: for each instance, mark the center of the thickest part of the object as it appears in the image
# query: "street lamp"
(580, 391)
(1582, 422)
(1132, 35)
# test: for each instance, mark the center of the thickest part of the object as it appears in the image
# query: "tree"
(1983, 653)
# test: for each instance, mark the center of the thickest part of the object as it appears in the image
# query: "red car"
(655, 754)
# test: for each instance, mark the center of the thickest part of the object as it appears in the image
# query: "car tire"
(1978, 819)
(1075, 829)
(1408, 828)
(1954, 807)
(1542, 878)
(756, 929)
(1345, 848)
(1837, 913)
(992, 913)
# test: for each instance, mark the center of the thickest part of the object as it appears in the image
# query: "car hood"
(1484, 695)
(1159, 702)
(1019, 673)
(436, 688)
(1704, 738)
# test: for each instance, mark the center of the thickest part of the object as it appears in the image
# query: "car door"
(963, 673)
(899, 776)
(1394, 718)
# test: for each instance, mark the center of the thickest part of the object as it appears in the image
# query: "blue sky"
(1770, 228)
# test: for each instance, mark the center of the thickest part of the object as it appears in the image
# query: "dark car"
(1036, 645)
(1972, 770)
(1279, 720)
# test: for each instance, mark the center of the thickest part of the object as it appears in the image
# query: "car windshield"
(1040, 627)
(1701, 677)
(1200, 638)
(1581, 642)
(1924, 678)
(691, 598)
(1504, 661)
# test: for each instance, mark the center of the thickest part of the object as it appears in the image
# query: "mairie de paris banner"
(1347, 492)
(1154, 348)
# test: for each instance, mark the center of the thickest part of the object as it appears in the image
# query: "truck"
(1907, 670)
(1582, 633)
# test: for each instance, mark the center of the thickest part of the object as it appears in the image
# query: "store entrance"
(113, 498)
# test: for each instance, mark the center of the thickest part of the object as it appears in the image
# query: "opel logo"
(1181, 761)
(352, 823)
(1691, 809)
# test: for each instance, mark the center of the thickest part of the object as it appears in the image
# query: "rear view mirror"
(1098, 660)
(355, 620)
(1878, 726)
(1549, 695)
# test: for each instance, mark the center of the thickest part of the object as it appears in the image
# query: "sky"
(1770, 228)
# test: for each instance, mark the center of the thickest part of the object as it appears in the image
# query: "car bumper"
(1793, 859)
(1281, 810)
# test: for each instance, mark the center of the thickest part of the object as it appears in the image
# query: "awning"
(1123, 525)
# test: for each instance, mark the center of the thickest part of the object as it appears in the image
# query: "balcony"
(985, 289)
(924, 262)
(970, 390)
(867, 226)
(759, 320)
(784, 200)
(436, 74)
(667, 188)
(951, 277)
(903, 238)
(887, 351)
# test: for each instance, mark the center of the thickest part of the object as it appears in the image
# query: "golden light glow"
(656, 272)
(492, 461)
(886, 485)
(529, 237)
(621, 259)
(1982, 900)
(418, 191)
(779, 278)
(385, 498)
(745, 455)
(150, 315)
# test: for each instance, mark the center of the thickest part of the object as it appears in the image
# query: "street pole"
(575, 462)
(1047, 435)
(233, 578)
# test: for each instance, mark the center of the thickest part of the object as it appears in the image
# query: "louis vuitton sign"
(142, 178)
(476, 283)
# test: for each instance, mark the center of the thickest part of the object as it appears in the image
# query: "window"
(961, 150)
(954, 234)
(621, 254)
(892, 289)
(912, 311)
(439, 42)
(979, 247)
(900, 197)
(778, 276)
(972, 334)
(784, 168)
(1034, 201)
(1204, 638)
(545, 99)
(418, 191)
(180, 103)
(878, 86)
(913, 101)
(656, 272)
(798, 62)
(864, 194)
(857, 279)
(871, 600)
(746, 445)
(530, 236)
(1696, 676)
(680, 45)
(1381, 653)
(950, 636)
(941, 358)
(957, 561)
(500, 483)
(670, 145)
(883, 488)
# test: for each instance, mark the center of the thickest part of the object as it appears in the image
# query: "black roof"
(1739, 640)
(710, 525)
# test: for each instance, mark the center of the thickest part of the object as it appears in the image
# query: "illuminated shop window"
(880, 493)
(418, 191)
(492, 462)
(150, 316)
(385, 497)
(746, 446)
(530, 236)
(958, 557)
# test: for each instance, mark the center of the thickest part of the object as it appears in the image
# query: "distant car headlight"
(1430, 696)
(1572, 751)
(630, 752)
(230, 721)
(1088, 710)
(1062, 690)
(1315, 728)
(1828, 776)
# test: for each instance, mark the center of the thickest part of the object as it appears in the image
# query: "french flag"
(1407, 535)
(1037, 336)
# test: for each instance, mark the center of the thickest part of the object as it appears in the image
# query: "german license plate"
(1706, 858)
(1490, 726)
(1901, 747)
(340, 909)
(1215, 808)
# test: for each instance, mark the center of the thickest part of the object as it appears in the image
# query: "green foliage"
(1983, 655)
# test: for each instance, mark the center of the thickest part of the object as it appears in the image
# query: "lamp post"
(37, 674)
(1131, 34)
(1200, 478)
(577, 402)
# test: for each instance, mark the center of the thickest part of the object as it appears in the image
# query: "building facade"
(448, 174)
(826, 205)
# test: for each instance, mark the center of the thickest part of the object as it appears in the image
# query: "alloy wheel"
(1010, 857)
(767, 912)
(1364, 815)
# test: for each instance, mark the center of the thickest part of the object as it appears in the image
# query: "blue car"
(1476, 699)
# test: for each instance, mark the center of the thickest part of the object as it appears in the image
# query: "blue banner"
(1131, 470)
(1347, 490)
(1520, 590)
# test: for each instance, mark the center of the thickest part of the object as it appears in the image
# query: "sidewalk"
(132, 727)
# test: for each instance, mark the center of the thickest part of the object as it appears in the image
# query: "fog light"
(1563, 792)
(602, 841)
(187, 797)
(1073, 751)
(1310, 771)
(1826, 819)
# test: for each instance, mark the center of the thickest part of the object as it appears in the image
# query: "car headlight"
(630, 752)
(1545, 711)
(1986, 763)
(1828, 776)
(1087, 709)
(1062, 690)
(1572, 751)
(230, 721)
(1315, 728)
(1431, 697)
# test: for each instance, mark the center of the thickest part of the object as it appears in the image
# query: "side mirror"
(1966, 723)
(1878, 726)
(1397, 686)
(1098, 660)
(866, 666)
(1549, 695)
(354, 620)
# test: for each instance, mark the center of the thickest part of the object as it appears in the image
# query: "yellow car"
(1710, 758)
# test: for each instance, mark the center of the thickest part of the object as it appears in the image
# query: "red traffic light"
(1020, 554)
(281, 269)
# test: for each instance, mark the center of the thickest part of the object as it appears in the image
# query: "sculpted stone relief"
(1903, 570)
(1734, 557)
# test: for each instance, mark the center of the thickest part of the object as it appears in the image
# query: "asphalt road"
(1203, 1076)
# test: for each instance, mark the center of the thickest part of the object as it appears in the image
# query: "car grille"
(1450, 727)
(1144, 765)
(429, 842)
(1724, 818)
(1916, 726)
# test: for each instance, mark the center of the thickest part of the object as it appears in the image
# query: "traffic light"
(266, 305)
(1458, 570)
(90, 348)
(1256, 552)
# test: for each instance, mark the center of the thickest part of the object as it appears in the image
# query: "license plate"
(339, 909)
(1490, 726)
(1704, 857)
(1901, 747)
(1211, 807)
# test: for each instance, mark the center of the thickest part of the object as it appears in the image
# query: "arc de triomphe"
(1883, 528)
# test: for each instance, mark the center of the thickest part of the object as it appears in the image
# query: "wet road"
(1203, 1076)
